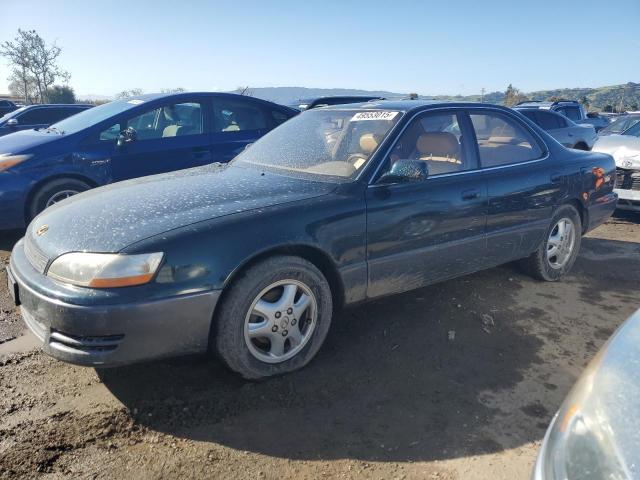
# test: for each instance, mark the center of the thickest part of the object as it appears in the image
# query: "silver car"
(565, 131)
(596, 432)
(625, 149)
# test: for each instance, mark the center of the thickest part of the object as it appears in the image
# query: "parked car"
(336, 206)
(126, 139)
(569, 134)
(7, 106)
(620, 124)
(572, 110)
(594, 435)
(38, 116)
(310, 103)
(625, 149)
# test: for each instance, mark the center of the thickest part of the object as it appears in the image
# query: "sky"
(429, 47)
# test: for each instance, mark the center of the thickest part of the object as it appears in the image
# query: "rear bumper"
(601, 209)
(628, 199)
(111, 335)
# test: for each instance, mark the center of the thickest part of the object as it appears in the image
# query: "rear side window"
(502, 140)
(45, 116)
(572, 113)
(550, 121)
(232, 115)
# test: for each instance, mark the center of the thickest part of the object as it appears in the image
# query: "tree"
(33, 60)
(244, 91)
(23, 87)
(17, 52)
(61, 94)
(585, 102)
(608, 108)
(134, 92)
(513, 96)
(413, 96)
(173, 90)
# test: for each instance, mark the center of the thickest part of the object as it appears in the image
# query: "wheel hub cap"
(560, 243)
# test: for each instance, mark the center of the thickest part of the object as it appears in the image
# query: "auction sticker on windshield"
(379, 115)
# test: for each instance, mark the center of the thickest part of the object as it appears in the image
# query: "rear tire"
(558, 251)
(54, 191)
(261, 331)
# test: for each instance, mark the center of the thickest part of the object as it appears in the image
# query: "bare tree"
(244, 91)
(23, 87)
(33, 60)
(17, 52)
(134, 92)
(173, 90)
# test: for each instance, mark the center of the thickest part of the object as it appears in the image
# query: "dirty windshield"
(330, 143)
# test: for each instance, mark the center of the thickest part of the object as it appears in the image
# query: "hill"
(600, 98)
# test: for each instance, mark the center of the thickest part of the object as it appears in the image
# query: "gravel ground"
(454, 381)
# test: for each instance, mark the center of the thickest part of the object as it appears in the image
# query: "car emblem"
(42, 230)
(627, 164)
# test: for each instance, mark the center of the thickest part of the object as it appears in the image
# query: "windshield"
(620, 125)
(331, 143)
(634, 130)
(94, 115)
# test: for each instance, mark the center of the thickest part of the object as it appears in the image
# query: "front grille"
(628, 179)
(105, 343)
(35, 256)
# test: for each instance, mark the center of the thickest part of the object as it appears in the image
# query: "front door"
(168, 137)
(419, 233)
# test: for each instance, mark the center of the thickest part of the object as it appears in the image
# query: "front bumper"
(13, 192)
(628, 199)
(112, 335)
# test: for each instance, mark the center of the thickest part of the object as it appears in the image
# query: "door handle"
(470, 194)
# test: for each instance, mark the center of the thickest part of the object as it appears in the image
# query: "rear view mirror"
(406, 170)
(12, 122)
(127, 135)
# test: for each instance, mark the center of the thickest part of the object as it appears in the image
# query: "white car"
(565, 131)
(625, 149)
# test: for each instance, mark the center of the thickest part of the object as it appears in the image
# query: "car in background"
(571, 109)
(621, 124)
(126, 139)
(594, 434)
(38, 116)
(7, 106)
(624, 147)
(565, 131)
(310, 103)
(339, 205)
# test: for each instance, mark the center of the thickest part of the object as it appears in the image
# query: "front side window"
(231, 115)
(572, 113)
(322, 143)
(175, 120)
(38, 116)
(436, 139)
(502, 140)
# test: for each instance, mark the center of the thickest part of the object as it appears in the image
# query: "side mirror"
(12, 122)
(127, 135)
(406, 170)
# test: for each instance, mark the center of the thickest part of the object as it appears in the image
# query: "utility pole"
(482, 95)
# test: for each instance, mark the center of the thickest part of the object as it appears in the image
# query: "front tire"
(274, 318)
(53, 192)
(558, 251)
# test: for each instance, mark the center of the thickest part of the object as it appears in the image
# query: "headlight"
(7, 160)
(105, 270)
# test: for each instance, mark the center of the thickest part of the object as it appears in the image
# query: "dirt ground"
(454, 381)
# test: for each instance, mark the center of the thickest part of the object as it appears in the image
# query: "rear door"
(422, 232)
(522, 186)
(557, 126)
(171, 135)
(238, 122)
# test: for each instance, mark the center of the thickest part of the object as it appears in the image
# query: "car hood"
(625, 149)
(110, 218)
(24, 140)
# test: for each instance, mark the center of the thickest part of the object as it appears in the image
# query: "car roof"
(545, 104)
(157, 96)
(411, 105)
(50, 105)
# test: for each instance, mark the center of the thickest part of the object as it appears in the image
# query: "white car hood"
(625, 149)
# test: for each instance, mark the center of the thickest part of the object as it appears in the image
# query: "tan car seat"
(441, 151)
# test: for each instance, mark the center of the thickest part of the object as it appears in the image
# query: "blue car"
(125, 139)
(37, 116)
